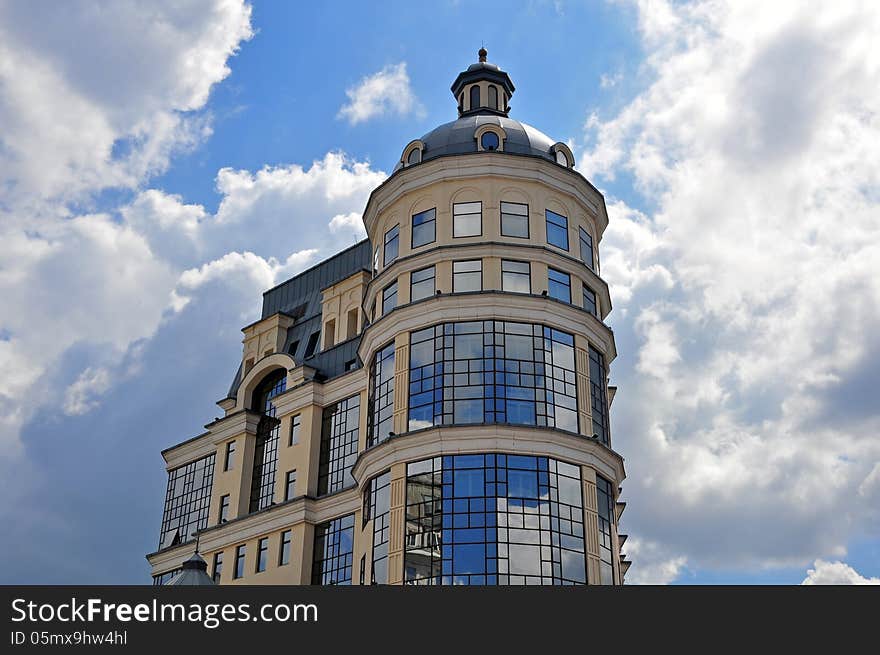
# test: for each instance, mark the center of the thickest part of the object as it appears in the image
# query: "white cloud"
(608, 80)
(352, 223)
(81, 396)
(651, 566)
(381, 94)
(747, 292)
(836, 573)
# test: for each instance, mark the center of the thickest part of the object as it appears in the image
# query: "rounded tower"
(488, 453)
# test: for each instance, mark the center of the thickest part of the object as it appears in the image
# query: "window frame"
(467, 214)
(528, 275)
(502, 214)
(223, 511)
(290, 485)
(386, 241)
(386, 297)
(454, 274)
(432, 279)
(262, 561)
(557, 283)
(286, 539)
(589, 244)
(240, 556)
(295, 428)
(433, 223)
(548, 222)
(230, 455)
(589, 297)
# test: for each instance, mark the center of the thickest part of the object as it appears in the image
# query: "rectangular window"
(381, 398)
(224, 509)
(421, 284)
(290, 485)
(284, 549)
(392, 243)
(467, 276)
(217, 568)
(467, 219)
(333, 552)
(339, 445)
(586, 247)
(187, 501)
(557, 230)
(424, 228)
(559, 285)
(389, 298)
(515, 276)
(262, 554)
(229, 460)
(314, 338)
(514, 220)
(295, 424)
(590, 301)
(605, 503)
(597, 395)
(239, 561)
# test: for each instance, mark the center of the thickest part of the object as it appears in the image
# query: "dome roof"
(457, 138)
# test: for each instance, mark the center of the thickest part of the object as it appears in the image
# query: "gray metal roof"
(300, 297)
(457, 138)
(194, 573)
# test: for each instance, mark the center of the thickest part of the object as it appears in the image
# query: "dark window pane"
(389, 298)
(424, 228)
(339, 445)
(333, 552)
(489, 141)
(514, 220)
(381, 404)
(559, 285)
(422, 284)
(557, 230)
(392, 243)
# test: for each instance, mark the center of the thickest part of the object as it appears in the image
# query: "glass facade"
(377, 508)
(605, 498)
(333, 554)
(598, 401)
(339, 445)
(381, 407)
(266, 444)
(492, 372)
(187, 501)
(494, 519)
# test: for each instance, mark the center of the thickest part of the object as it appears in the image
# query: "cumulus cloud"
(385, 93)
(835, 573)
(747, 283)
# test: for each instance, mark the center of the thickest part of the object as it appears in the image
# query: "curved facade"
(444, 416)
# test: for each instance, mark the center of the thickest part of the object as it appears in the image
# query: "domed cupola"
(483, 89)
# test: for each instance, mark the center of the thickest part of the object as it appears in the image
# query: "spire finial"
(482, 54)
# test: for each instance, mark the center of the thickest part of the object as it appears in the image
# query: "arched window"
(493, 97)
(415, 156)
(475, 96)
(489, 141)
(561, 158)
(266, 444)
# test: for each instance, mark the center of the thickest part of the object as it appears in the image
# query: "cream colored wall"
(336, 301)
(264, 338)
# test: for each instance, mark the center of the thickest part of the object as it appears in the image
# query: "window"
(333, 552)
(475, 96)
(586, 247)
(391, 244)
(290, 485)
(229, 460)
(314, 337)
(515, 276)
(514, 220)
(381, 405)
(339, 445)
(295, 424)
(493, 97)
(494, 519)
(350, 365)
(424, 228)
(561, 159)
(557, 230)
(597, 395)
(421, 284)
(377, 507)
(467, 219)
(187, 501)
(284, 549)
(489, 141)
(239, 561)
(363, 572)
(291, 349)
(162, 579)
(223, 514)
(590, 301)
(217, 568)
(351, 328)
(605, 502)
(389, 298)
(558, 285)
(492, 372)
(266, 443)
(262, 554)
(415, 156)
(467, 276)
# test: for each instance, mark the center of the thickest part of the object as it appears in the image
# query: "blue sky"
(162, 164)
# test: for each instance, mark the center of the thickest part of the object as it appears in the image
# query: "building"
(429, 406)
